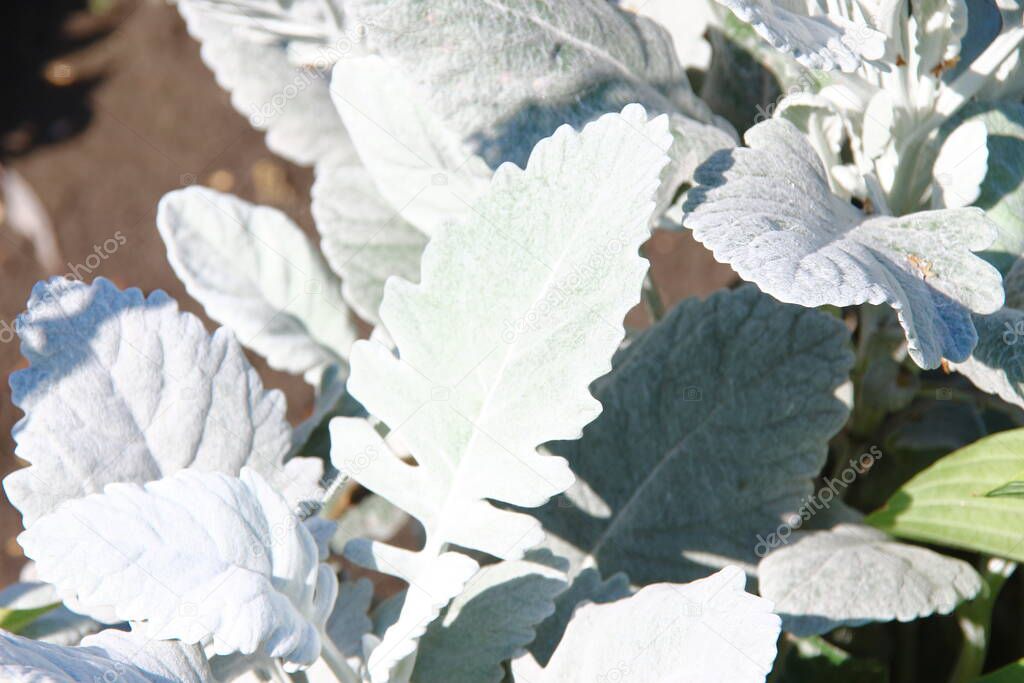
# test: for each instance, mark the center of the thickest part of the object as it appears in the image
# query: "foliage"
(575, 500)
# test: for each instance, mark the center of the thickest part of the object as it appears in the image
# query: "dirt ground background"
(106, 106)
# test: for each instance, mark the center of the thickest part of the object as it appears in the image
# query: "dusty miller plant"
(590, 503)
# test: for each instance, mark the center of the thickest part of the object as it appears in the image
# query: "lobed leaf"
(769, 213)
(191, 557)
(708, 630)
(813, 32)
(516, 313)
(123, 387)
(852, 575)
(108, 655)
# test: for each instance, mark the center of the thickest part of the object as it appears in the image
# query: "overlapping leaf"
(813, 32)
(128, 657)
(997, 363)
(255, 272)
(709, 631)
(488, 623)
(1002, 191)
(427, 173)
(58, 625)
(123, 387)
(852, 575)
(291, 101)
(768, 212)
(193, 556)
(502, 75)
(517, 312)
(714, 422)
(365, 239)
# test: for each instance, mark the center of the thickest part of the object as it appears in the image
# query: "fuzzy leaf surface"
(767, 211)
(193, 556)
(517, 312)
(715, 421)
(123, 387)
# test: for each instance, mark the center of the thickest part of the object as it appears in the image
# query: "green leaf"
(15, 620)
(516, 313)
(947, 504)
(1011, 673)
(715, 420)
(1014, 488)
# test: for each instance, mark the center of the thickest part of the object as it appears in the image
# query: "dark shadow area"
(43, 100)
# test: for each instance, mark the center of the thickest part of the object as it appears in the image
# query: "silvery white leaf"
(768, 212)
(997, 363)
(939, 26)
(374, 517)
(686, 23)
(1007, 82)
(854, 574)
(817, 37)
(816, 118)
(586, 587)
(708, 630)
(109, 655)
(300, 24)
(596, 58)
(322, 530)
(123, 387)
(427, 173)
(59, 626)
(505, 74)
(491, 621)
(255, 271)
(715, 421)
(349, 622)
(193, 556)
(364, 239)
(960, 166)
(517, 312)
(1002, 190)
(291, 102)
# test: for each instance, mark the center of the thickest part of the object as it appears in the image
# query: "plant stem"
(335, 661)
(652, 300)
(277, 672)
(975, 620)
